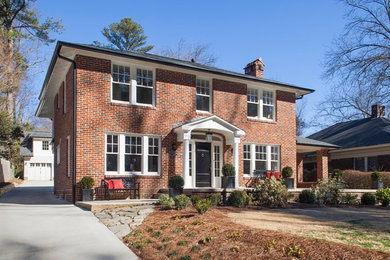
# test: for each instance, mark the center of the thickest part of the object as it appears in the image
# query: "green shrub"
(287, 172)
(307, 196)
(376, 176)
(271, 193)
(328, 191)
(368, 199)
(349, 199)
(166, 201)
(228, 170)
(195, 199)
(383, 195)
(215, 198)
(176, 182)
(186, 257)
(86, 182)
(182, 201)
(238, 198)
(203, 205)
(338, 174)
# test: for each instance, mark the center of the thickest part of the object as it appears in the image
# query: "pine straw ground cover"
(187, 235)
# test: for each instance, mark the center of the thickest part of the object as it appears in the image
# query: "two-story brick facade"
(121, 113)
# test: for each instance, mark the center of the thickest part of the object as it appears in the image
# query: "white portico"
(203, 150)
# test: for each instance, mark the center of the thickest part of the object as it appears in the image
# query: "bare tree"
(199, 53)
(360, 60)
(300, 117)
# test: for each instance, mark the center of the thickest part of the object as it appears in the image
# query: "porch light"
(209, 137)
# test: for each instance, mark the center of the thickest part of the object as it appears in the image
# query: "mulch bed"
(175, 234)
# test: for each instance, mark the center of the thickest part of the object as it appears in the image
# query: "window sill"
(256, 119)
(127, 104)
(201, 112)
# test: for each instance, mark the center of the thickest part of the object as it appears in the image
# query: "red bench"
(120, 184)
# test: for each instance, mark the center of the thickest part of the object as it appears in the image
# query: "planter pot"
(378, 184)
(87, 194)
(289, 183)
(228, 182)
(175, 192)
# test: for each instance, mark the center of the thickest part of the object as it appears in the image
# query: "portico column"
(235, 159)
(186, 160)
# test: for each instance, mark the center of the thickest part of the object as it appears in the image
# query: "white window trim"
(253, 156)
(209, 96)
(121, 155)
(68, 155)
(48, 145)
(133, 84)
(64, 96)
(260, 104)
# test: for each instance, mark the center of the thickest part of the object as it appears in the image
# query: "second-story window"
(203, 95)
(120, 83)
(144, 86)
(261, 104)
(45, 145)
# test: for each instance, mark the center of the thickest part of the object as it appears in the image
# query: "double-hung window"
(260, 104)
(112, 152)
(203, 95)
(45, 145)
(121, 83)
(144, 86)
(133, 154)
(261, 157)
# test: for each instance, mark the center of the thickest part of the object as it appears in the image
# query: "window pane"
(133, 163)
(153, 163)
(252, 110)
(268, 112)
(144, 95)
(202, 103)
(372, 163)
(261, 165)
(359, 164)
(274, 166)
(247, 166)
(112, 162)
(120, 92)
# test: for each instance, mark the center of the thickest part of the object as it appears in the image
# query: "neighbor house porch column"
(322, 164)
(299, 167)
(236, 163)
(186, 160)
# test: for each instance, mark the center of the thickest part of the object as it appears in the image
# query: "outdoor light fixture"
(174, 146)
(209, 137)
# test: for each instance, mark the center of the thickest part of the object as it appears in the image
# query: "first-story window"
(45, 145)
(112, 153)
(153, 154)
(132, 154)
(261, 157)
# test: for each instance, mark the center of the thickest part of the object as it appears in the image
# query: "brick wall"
(62, 125)
(175, 103)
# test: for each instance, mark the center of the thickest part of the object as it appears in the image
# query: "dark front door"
(203, 165)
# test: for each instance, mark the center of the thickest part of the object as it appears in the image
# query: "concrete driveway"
(36, 225)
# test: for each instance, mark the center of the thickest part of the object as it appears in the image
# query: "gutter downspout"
(74, 123)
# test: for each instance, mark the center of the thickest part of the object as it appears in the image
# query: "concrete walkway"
(36, 225)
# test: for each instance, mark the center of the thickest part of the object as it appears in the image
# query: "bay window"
(261, 157)
(132, 154)
(203, 95)
(260, 104)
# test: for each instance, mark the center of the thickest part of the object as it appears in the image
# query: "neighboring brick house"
(131, 113)
(37, 154)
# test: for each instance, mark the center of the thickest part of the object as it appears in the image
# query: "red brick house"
(119, 113)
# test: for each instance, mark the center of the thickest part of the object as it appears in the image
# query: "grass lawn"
(186, 234)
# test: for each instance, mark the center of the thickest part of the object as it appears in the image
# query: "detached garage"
(38, 156)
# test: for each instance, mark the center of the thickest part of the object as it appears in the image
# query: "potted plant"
(228, 178)
(175, 184)
(86, 184)
(287, 172)
(376, 178)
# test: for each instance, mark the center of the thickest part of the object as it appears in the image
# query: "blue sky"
(291, 36)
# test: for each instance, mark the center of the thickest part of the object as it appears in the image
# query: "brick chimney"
(255, 68)
(377, 111)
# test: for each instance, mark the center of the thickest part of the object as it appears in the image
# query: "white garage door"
(39, 172)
